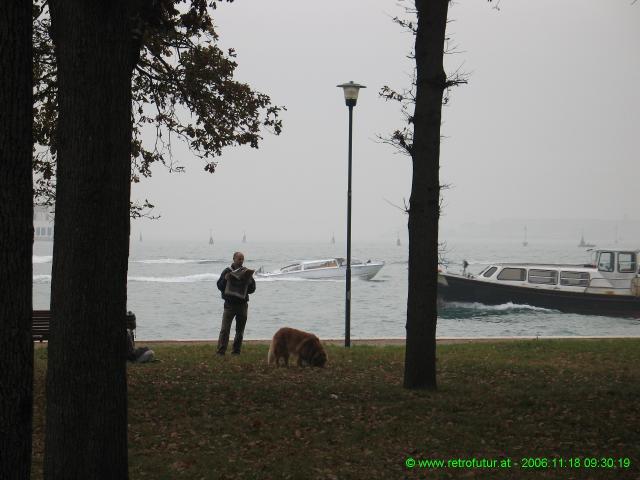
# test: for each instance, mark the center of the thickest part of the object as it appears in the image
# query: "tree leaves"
(183, 88)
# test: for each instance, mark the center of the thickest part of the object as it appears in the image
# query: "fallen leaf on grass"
(256, 423)
(180, 465)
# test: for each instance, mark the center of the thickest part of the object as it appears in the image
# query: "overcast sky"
(548, 126)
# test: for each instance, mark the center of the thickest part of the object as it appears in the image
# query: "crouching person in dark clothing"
(140, 354)
(235, 284)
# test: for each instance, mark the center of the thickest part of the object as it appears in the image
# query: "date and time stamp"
(525, 463)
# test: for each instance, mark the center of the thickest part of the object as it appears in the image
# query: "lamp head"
(351, 92)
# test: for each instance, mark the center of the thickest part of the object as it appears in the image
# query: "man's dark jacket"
(222, 284)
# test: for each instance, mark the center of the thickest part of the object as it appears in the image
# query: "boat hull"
(363, 272)
(462, 289)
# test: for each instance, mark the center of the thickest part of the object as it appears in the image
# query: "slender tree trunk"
(16, 240)
(424, 209)
(86, 433)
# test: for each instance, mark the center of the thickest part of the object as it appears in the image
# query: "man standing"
(235, 284)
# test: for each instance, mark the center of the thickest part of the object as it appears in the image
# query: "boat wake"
(199, 277)
(298, 279)
(465, 310)
(151, 261)
(213, 277)
(177, 261)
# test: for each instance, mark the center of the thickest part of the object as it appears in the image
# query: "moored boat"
(330, 268)
(610, 286)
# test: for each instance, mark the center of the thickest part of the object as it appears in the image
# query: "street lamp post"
(351, 97)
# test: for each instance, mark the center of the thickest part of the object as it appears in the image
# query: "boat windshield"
(291, 268)
(354, 261)
(333, 263)
(323, 264)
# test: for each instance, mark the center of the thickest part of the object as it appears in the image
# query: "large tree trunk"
(86, 432)
(16, 240)
(424, 208)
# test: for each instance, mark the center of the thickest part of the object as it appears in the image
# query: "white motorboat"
(325, 268)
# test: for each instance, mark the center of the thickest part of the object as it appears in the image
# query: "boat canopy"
(333, 263)
(294, 267)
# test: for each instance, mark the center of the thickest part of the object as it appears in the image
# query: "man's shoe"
(235, 353)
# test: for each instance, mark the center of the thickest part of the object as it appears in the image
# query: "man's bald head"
(238, 259)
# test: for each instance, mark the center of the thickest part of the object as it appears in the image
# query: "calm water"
(173, 293)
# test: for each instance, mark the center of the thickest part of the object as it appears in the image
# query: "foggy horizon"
(543, 230)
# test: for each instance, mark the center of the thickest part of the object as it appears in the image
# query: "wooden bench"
(41, 319)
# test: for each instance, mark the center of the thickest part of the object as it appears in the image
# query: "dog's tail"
(271, 356)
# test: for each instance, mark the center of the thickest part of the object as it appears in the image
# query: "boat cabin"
(615, 272)
(332, 263)
(317, 264)
(311, 265)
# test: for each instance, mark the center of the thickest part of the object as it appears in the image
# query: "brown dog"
(289, 341)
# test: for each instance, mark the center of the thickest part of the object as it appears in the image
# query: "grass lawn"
(196, 416)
